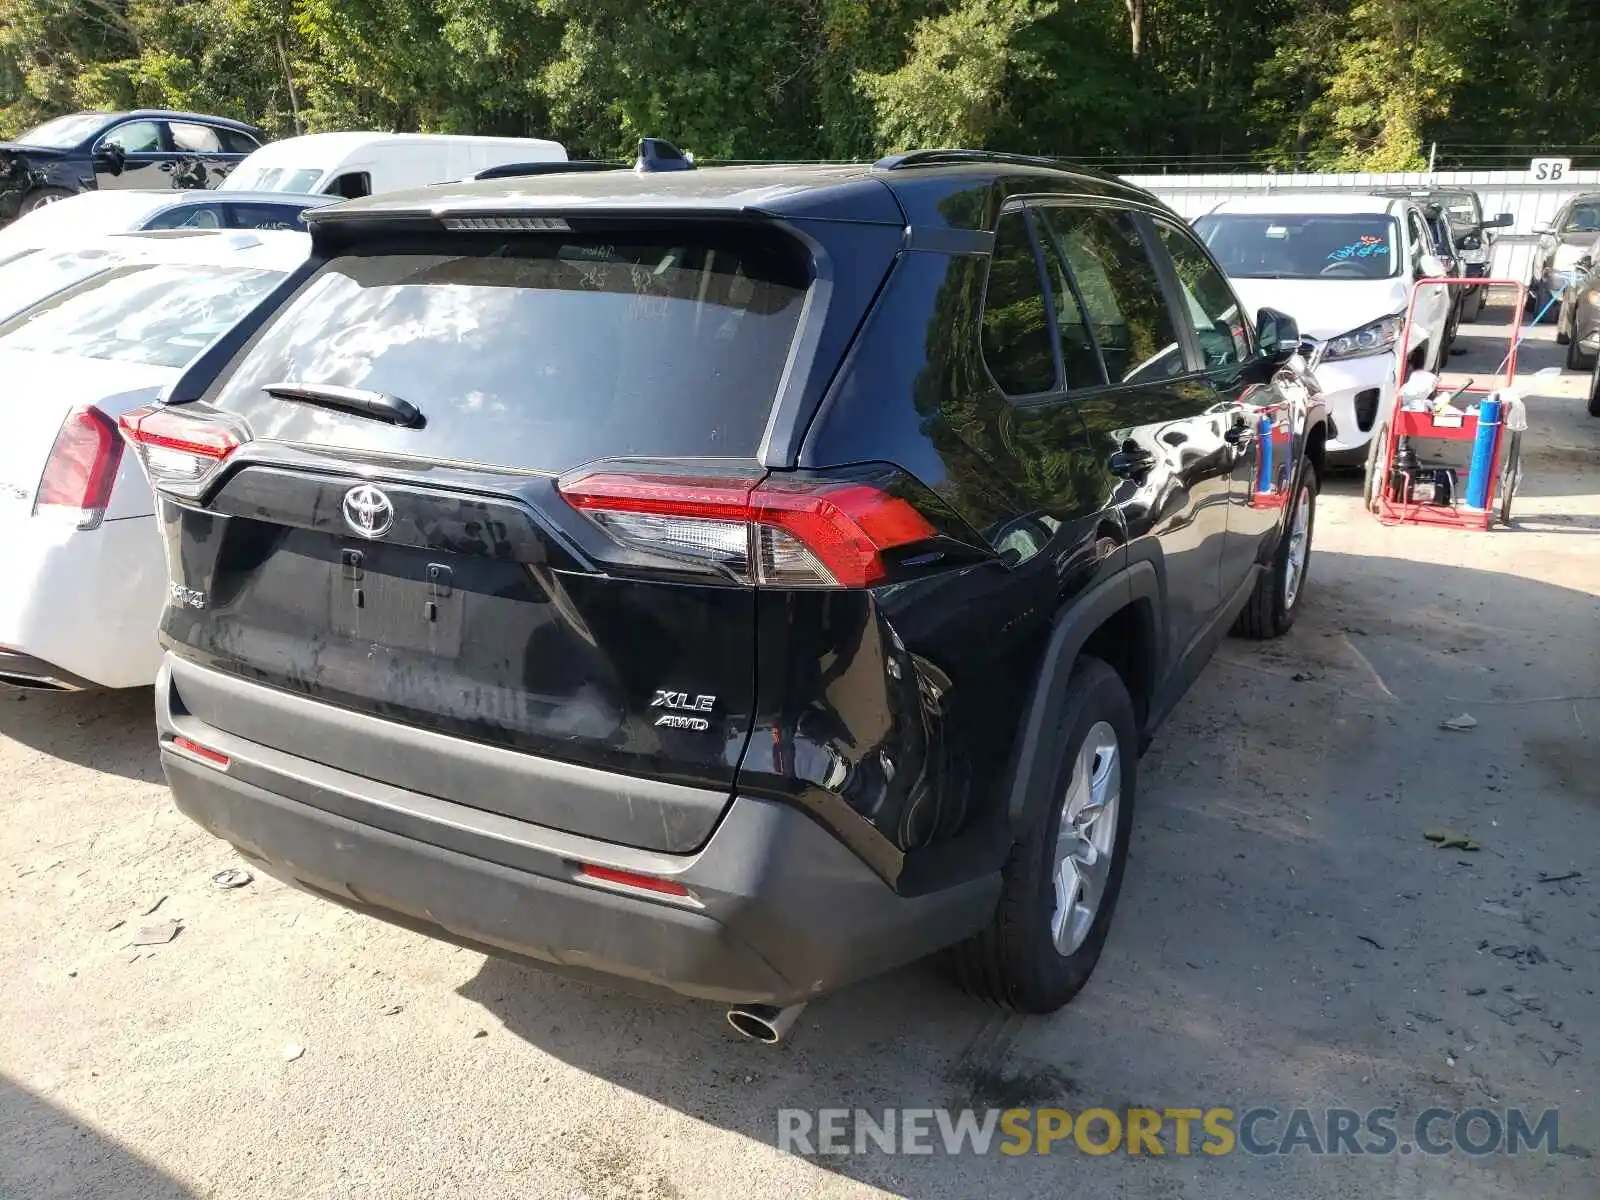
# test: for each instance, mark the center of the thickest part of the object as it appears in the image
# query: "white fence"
(1529, 200)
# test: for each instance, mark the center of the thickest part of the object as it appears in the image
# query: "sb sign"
(1549, 170)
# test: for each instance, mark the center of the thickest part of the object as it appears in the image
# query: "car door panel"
(1155, 443)
(134, 154)
(1256, 426)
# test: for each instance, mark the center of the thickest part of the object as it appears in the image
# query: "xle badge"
(683, 703)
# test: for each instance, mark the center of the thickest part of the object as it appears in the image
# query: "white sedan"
(111, 325)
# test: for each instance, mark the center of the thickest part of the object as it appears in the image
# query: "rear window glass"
(537, 351)
(162, 314)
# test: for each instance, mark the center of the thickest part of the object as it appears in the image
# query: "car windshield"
(162, 314)
(1302, 245)
(275, 179)
(1584, 217)
(63, 132)
(28, 276)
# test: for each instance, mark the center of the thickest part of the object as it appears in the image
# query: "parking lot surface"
(1288, 937)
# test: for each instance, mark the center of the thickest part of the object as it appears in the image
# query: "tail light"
(784, 532)
(177, 447)
(81, 469)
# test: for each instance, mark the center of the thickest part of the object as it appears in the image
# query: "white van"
(363, 164)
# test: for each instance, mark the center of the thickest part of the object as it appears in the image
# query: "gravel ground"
(1287, 937)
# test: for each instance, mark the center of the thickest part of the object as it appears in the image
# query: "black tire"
(1594, 390)
(39, 197)
(1563, 338)
(1270, 612)
(1577, 360)
(1014, 962)
(1472, 307)
(1510, 466)
(1371, 488)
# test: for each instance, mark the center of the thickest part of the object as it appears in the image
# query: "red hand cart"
(1385, 486)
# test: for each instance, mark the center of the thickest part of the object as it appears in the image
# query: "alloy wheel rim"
(1085, 838)
(1299, 541)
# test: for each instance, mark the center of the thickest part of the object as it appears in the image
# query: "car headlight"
(1375, 338)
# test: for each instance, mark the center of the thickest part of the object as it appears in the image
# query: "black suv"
(742, 580)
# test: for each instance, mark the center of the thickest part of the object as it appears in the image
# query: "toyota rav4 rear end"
(499, 610)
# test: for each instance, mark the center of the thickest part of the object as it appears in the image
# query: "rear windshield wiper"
(380, 406)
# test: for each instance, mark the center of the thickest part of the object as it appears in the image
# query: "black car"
(741, 580)
(142, 149)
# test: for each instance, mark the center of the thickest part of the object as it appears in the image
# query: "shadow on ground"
(111, 731)
(47, 1154)
(1283, 924)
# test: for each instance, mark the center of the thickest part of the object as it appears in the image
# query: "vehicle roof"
(957, 195)
(169, 114)
(1309, 203)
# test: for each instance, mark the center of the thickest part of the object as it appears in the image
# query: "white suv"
(1342, 266)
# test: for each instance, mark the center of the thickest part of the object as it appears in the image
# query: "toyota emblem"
(368, 511)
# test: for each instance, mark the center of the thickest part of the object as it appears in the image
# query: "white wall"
(1530, 201)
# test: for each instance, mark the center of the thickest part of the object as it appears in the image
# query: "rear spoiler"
(655, 154)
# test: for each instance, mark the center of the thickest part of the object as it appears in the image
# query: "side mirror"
(111, 156)
(1431, 266)
(1503, 221)
(1542, 228)
(1278, 333)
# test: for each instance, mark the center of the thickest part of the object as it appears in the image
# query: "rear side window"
(352, 185)
(265, 216)
(200, 139)
(1016, 323)
(1122, 295)
(235, 142)
(162, 314)
(537, 351)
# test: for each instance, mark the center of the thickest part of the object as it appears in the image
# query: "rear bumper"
(781, 910)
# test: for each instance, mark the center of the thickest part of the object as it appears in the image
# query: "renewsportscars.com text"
(1165, 1131)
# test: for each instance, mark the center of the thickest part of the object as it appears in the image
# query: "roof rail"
(937, 158)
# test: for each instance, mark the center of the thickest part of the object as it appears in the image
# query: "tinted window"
(266, 216)
(158, 313)
(1080, 358)
(1210, 305)
(234, 142)
(136, 137)
(1417, 240)
(1016, 323)
(188, 216)
(352, 185)
(541, 352)
(201, 139)
(1121, 292)
(1302, 246)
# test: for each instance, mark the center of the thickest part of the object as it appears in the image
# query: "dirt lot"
(1287, 937)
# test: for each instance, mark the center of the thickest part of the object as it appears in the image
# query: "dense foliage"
(1319, 83)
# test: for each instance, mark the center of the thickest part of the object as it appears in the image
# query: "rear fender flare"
(1031, 775)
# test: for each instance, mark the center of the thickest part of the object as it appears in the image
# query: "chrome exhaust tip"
(764, 1023)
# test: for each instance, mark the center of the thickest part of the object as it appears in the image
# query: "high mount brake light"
(778, 532)
(176, 447)
(81, 470)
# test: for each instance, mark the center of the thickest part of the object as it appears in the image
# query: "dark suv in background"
(149, 148)
(742, 580)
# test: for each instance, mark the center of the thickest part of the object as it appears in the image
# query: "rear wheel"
(1577, 360)
(1061, 882)
(1271, 608)
(1594, 389)
(1472, 306)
